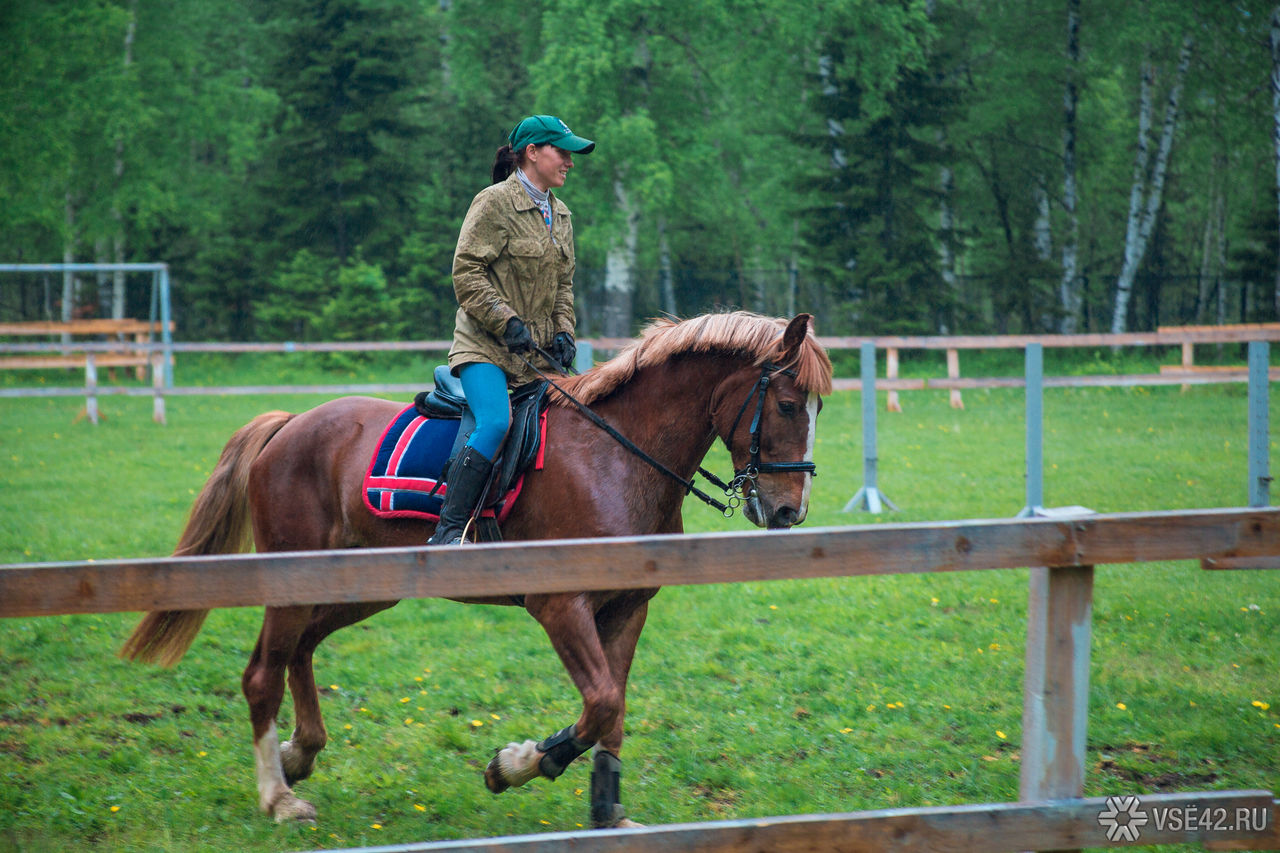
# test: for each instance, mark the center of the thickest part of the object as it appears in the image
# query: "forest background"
(894, 166)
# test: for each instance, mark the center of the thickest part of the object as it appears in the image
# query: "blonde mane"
(739, 333)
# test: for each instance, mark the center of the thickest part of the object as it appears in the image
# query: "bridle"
(743, 477)
(755, 467)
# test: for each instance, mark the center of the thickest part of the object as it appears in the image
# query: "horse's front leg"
(570, 623)
(619, 625)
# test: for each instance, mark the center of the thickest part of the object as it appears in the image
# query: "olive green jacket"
(505, 266)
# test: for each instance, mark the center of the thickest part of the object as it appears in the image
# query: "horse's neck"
(666, 410)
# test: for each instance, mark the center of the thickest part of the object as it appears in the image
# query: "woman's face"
(546, 165)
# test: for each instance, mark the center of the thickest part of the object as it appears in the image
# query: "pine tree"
(872, 232)
(353, 138)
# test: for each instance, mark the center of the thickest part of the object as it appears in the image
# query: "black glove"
(517, 337)
(564, 349)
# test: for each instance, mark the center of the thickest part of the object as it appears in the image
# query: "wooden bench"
(127, 333)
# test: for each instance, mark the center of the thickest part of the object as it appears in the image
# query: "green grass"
(746, 700)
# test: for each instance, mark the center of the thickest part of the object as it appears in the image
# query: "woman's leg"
(486, 388)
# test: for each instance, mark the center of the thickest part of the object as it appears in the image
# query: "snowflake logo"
(1122, 818)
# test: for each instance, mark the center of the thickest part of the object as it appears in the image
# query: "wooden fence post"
(953, 372)
(1055, 709)
(891, 372)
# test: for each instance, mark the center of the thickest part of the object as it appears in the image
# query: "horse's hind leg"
(298, 754)
(263, 685)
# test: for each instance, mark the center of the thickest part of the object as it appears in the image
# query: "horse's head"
(766, 415)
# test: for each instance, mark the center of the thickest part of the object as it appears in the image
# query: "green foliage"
(239, 134)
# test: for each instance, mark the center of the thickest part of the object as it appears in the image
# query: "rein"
(748, 474)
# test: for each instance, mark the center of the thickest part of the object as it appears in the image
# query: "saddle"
(406, 475)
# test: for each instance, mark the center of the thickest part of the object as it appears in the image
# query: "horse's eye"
(787, 408)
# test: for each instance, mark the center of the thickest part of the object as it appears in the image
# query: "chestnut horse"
(294, 483)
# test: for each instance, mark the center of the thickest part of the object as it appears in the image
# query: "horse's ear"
(793, 337)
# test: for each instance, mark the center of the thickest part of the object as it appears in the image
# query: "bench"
(127, 333)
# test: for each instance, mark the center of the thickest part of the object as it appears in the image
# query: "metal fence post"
(1259, 423)
(1034, 473)
(869, 498)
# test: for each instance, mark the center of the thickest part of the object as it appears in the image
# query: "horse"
(754, 382)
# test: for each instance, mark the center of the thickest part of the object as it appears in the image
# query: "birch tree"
(1275, 130)
(1070, 288)
(1147, 189)
(117, 215)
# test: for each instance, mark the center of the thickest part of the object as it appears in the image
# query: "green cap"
(540, 130)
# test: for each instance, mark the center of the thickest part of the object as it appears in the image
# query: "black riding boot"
(465, 487)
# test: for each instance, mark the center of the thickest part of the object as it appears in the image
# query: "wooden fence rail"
(1185, 373)
(1052, 814)
(382, 574)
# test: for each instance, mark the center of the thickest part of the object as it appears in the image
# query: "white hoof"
(288, 807)
(513, 766)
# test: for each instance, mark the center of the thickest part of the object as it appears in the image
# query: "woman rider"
(513, 276)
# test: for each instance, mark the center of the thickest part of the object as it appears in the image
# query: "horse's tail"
(218, 524)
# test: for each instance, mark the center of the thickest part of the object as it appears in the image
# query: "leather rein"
(745, 476)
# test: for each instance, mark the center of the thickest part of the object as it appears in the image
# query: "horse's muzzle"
(774, 518)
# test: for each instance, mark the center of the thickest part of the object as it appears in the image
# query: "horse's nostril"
(785, 517)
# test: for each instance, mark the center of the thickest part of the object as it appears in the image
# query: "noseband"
(745, 476)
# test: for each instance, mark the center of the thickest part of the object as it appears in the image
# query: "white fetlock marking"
(518, 763)
(269, 770)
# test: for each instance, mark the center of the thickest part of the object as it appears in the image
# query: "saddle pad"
(408, 463)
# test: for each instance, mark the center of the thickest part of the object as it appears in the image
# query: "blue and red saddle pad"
(405, 469)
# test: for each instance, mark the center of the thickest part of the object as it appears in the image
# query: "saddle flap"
(525, 436)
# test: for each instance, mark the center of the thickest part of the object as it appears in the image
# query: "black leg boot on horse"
(465, 488)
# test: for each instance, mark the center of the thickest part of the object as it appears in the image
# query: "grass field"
(746, 700)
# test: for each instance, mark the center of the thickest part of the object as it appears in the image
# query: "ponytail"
(504, 163)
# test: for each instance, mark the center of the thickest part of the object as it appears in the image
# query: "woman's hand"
(564, 349)
(517, 337)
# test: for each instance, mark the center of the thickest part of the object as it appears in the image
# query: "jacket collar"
(520, 199)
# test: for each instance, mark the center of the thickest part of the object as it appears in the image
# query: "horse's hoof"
(512, 766)
(290, 808)
(626, 823)
(493, 777)
(296, 764)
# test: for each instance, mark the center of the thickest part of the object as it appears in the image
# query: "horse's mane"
(738, 333)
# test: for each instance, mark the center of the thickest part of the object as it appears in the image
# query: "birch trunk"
(118, 240)
(1138, 233)
(667, 280)
(1213, 249)
(620, 267)
(946, 241)
(1042, 230)
(1275, 132)
(793, 269)
(68, 257)
(835, 130)
(446, 38)
(1070, 289)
